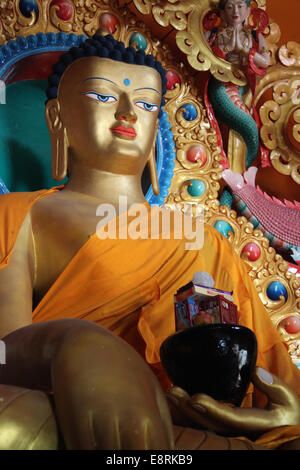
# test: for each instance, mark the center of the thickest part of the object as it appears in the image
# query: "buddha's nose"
(125, 111)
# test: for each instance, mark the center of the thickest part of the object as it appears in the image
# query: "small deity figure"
(83, 318)
(236, 41)
(233, 39)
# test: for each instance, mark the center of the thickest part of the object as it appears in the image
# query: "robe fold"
(128, 286)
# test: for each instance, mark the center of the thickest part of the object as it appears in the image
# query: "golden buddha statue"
(83, 318)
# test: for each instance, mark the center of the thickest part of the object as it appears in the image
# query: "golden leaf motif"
(289, 54)
(277, 131)
(166, 12)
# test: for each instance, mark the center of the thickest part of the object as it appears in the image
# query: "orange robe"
(128, 286)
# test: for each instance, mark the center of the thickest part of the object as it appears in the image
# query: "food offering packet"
(200, 305)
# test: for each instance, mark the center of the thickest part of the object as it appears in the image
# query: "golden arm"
(99, 381)
(16, 280)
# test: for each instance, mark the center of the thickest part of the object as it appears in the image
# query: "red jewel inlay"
(291, 325)
(65, 11)
(252, 251)
(196, 154)
(172, 78)
(109, 22)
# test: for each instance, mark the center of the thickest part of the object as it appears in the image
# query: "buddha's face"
(236, 12)
(110, 112)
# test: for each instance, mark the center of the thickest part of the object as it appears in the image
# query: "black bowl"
(216, 359)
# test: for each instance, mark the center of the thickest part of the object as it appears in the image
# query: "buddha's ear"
(59, 140)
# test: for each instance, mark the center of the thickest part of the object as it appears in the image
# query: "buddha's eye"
(146, 106)
(101, 98)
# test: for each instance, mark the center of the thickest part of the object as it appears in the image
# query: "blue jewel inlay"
(275, 290)
(27, 6)
(126, 81)
(190, 112)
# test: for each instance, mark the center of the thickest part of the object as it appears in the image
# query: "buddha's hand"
(202, 411)
(106, 396)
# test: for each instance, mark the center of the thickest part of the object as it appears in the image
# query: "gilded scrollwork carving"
(198, 154)
(280, 117)
(272, 35)
(167, 12)
(289, 54)
(12, 21)
(81, 17)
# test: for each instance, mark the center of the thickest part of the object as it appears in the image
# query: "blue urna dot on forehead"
(126, 81)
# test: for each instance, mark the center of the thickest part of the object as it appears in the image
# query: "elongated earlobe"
(153, 171)
(60, 155)
(59, 141)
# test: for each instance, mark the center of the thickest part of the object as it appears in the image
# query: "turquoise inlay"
(126, 81)
(196, 188)
(223, 227)
(138, 41)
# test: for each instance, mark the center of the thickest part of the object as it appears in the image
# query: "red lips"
(128, 131)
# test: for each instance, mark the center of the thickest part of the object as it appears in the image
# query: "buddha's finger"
(193, 416)
(276, 389)
(177, 393)
(229, 419)
(222, 418)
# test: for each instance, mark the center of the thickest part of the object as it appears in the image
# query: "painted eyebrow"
(107, 79)
(148, 88)
(99, 78)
